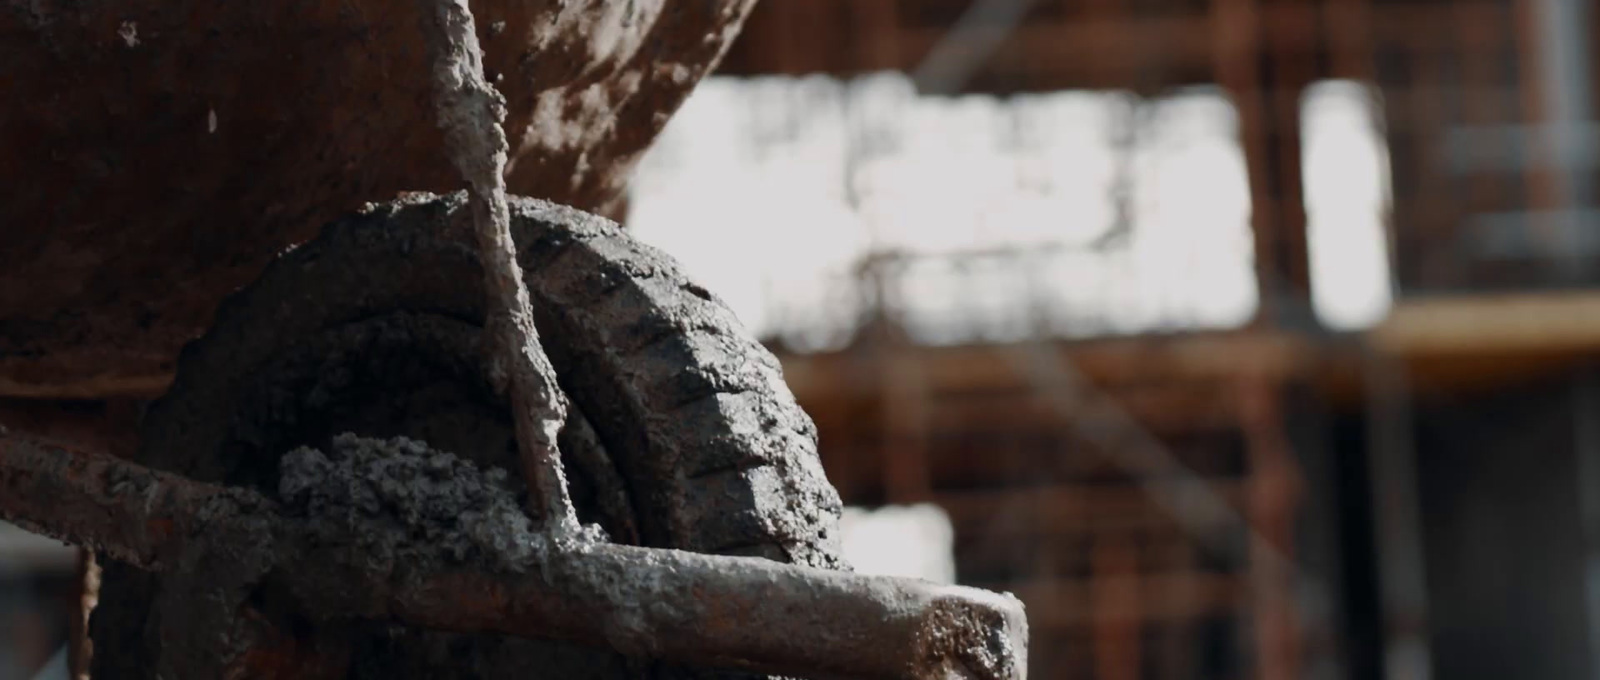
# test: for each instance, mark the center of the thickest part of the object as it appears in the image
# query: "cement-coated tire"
(711, 452)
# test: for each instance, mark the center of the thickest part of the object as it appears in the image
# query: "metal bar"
(471, 113)
(1276, 489)
(733, 612)
(1402, 578)
(1558, 234)
(1478, 148)
(962, 50)
(1586, 443)
(1565, 58)
(135, 514)
(1118, 613)
(906, 411)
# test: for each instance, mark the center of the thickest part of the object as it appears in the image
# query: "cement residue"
(399, 502)
(987, 640)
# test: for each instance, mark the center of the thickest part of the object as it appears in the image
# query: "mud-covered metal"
(472, 115)
(135, 514)
(376, 327)
(392, 529)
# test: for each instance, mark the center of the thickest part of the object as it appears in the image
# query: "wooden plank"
(1448, 345)
(1349, 27)
(1564, 322)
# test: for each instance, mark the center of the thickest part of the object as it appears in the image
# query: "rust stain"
(135, 217)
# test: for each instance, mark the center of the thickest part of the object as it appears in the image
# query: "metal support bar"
(471, 113)
(1586, 445)
(1401, 570)
(1565, 58)
(733, 612)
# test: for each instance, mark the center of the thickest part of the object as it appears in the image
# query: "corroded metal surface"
(158, 154)
(141, 516)
(391, 528)
(376, 327)
(472, 114)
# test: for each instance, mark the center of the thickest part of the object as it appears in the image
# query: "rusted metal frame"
(1276, 487)
(132, 513)
(906, 406)
(1481, 107)
(1541, 184)
(700, 609)
(1397, 517)
(1142, 454)
(874, 43)
(1247, 44)
(1566, 76)
(1427, 209)
(1349, 25)
(1119, 615)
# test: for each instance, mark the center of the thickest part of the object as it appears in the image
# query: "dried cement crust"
(403, 504)
(713, 453)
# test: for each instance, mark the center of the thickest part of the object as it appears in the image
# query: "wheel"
(683, 434)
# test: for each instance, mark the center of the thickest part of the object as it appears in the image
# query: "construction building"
(1238, 338)
(1402, 487)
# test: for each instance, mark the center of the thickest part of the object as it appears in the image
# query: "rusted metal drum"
(157, 153)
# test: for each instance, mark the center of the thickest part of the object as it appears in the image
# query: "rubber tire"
(715, 454)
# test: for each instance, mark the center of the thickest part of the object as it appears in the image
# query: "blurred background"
(1238, 338)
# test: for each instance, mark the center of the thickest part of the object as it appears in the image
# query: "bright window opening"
(915, 541)
(1346, 168)
(807, 202)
